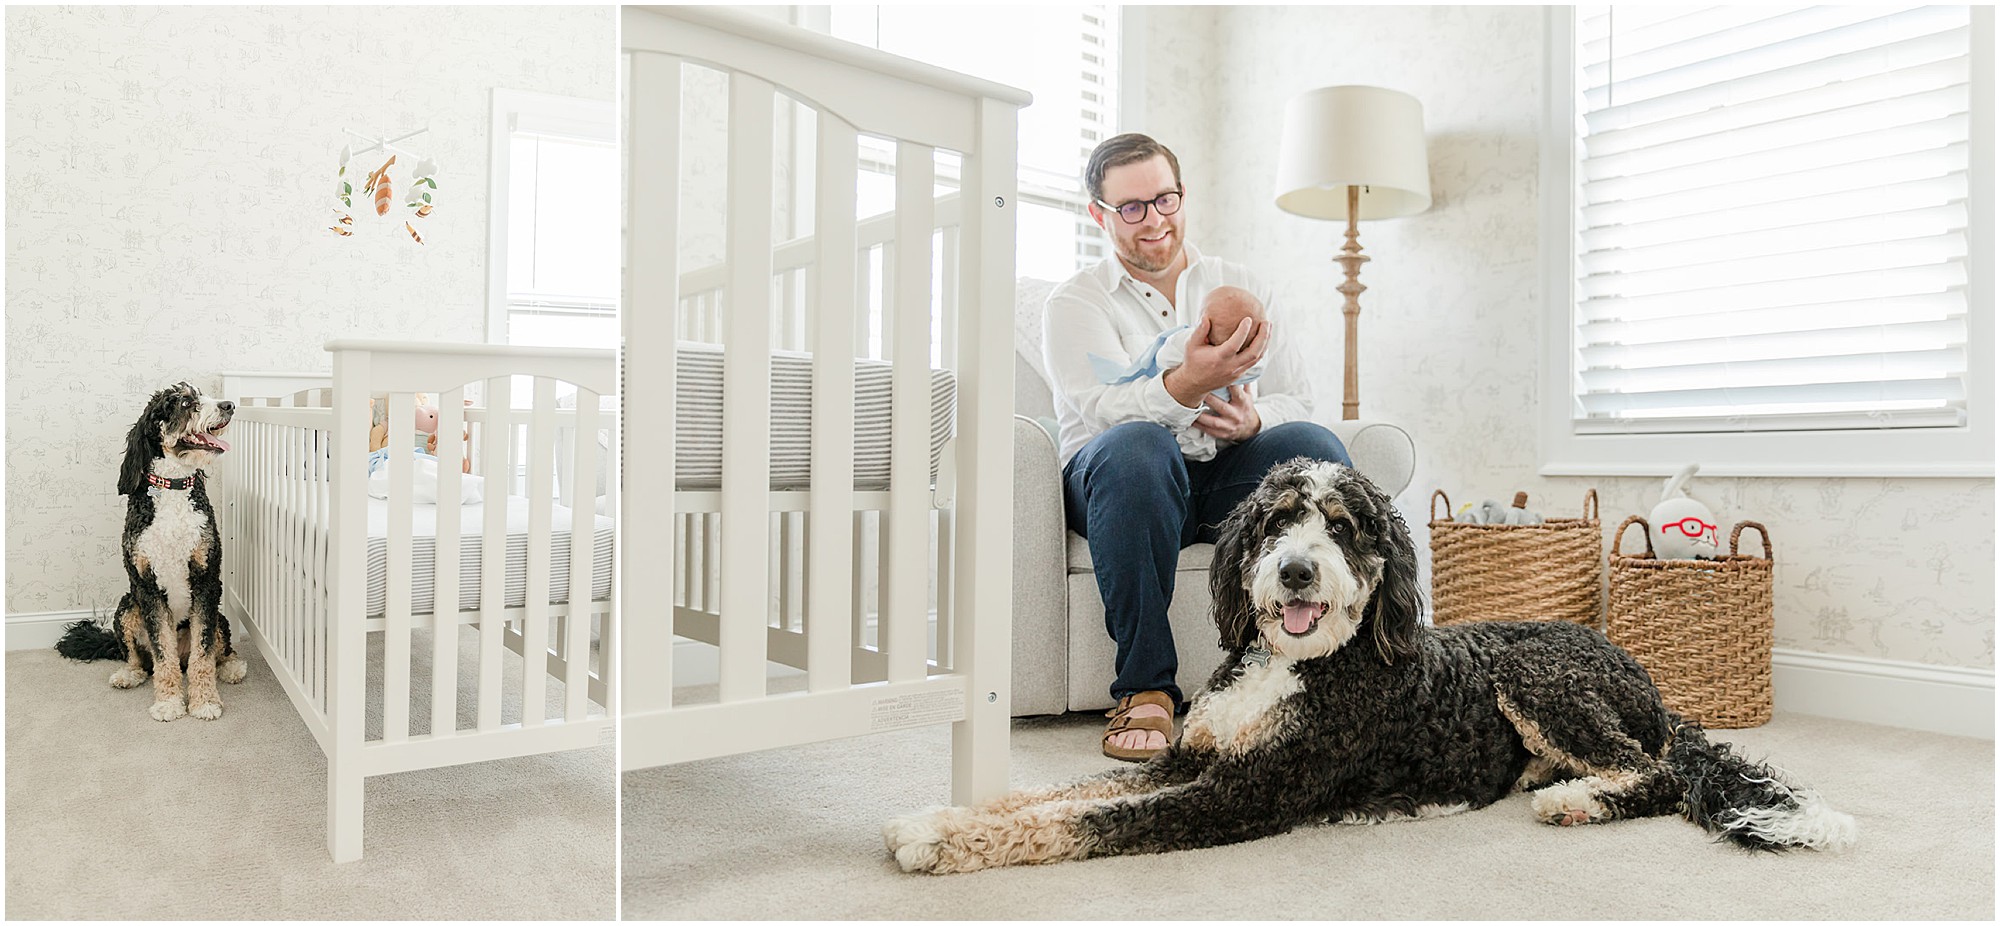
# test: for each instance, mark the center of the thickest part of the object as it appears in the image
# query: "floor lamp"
(1355, 153)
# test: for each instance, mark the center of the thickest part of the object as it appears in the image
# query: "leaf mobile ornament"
(422, 182)
(413, 232)
(379, 183)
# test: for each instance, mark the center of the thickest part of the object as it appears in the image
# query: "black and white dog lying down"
(1337, 704)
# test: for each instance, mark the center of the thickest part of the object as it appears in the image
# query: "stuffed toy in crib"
(425, 425)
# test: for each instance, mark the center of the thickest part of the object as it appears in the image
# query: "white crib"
(771, 570)
(320, 574)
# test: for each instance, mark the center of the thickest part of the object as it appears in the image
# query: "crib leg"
(343, 815)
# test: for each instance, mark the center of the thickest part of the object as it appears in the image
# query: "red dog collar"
(178, 485)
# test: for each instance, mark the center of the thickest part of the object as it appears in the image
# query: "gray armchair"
(1062, 654)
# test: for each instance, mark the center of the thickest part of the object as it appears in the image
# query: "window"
(554, 274)
(1065, 56)
(1769, 238)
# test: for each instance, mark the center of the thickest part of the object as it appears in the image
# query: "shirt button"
(1163, 315)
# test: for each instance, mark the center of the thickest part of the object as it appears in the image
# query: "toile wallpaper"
(1897, 569)
(169, 193)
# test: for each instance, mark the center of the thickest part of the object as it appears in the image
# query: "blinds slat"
(1832, 287)
(1935, 366)
(1858, 175)
(1751, 400)
(1931, 252)
(1651, 176)
(1833, 418)
(1636, 52)
(1829, 342)
(1726, 243)
(1808, 318)
(1830, 207)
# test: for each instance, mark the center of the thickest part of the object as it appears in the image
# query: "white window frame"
(596, 120)
(1965, 452)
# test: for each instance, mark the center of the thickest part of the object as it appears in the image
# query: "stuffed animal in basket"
(1683, 528)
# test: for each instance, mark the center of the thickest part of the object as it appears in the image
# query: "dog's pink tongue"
(219, 443)
(1299, 616)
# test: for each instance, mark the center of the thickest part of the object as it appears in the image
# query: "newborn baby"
(1225, 307)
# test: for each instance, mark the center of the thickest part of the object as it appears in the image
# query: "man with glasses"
(1126, 487)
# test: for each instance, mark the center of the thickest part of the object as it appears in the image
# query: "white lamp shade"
(1336, 137)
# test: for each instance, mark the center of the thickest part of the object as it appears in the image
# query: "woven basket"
(1702, 628)
(1551, 571)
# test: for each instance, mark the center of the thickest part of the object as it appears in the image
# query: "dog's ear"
(1235, 618)
(142, 444)
(1395, 611)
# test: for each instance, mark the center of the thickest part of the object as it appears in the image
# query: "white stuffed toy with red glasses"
(1682, 527)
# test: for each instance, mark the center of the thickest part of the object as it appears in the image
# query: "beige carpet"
(794, 833)
(113, 815)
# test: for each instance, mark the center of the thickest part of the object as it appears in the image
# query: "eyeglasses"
(1135, 212)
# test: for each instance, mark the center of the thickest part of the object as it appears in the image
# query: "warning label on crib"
(915, 710)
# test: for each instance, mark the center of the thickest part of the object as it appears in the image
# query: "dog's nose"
(1295, 573)
(228, 408)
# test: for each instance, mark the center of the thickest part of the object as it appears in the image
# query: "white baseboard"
(39, 629)
(1940, 699)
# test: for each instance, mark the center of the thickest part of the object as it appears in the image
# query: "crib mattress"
(698, 420)
(471, 550)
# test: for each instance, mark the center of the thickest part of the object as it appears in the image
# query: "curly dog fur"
(1337, 704)
(169, 624)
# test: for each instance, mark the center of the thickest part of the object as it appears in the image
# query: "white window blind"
(1771, 218)
(1065, 56)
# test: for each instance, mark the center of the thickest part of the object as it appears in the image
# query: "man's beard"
(1150, 265)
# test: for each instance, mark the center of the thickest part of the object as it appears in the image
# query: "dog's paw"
(209, 711)
(168, 709)
(914, 839)
(128, 677)
(232, 670)
(1569, 804)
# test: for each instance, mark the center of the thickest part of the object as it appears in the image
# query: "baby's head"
(1225, 307)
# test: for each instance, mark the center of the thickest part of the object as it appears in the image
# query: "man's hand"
(1212, 366)
(1234, 420)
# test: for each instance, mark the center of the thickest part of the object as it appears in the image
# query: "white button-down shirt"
(1104, 311)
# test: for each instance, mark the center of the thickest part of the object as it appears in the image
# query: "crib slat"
(829, 628)
(905, 619)
(396, 605)
(746, 393)
(494, 435)
(541, 500)
(444, 603)
(582, 560)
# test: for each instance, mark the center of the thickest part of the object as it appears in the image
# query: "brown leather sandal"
(1122, 720)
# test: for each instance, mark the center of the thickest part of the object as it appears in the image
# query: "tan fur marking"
(141, 563)
(200, 555)
(1089, 789)
(1032, 836)
(1539, 745)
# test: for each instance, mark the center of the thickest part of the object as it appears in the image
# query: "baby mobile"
(378, 188)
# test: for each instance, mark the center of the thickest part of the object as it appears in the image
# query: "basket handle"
(1645, 530)
(1434, 504)
(1762, 533)
(1590, 506)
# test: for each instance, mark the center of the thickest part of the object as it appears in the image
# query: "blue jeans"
(1132, 495)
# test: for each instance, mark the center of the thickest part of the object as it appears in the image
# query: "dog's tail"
(1751, 804)
(87, 639)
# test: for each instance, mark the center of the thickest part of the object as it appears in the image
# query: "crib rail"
(335, 605)
(814, 293)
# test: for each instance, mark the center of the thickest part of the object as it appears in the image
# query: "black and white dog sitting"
(172, 616)
(1336, 704)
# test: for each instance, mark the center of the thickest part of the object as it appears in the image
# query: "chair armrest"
(1041, 575)
(1383, 452)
